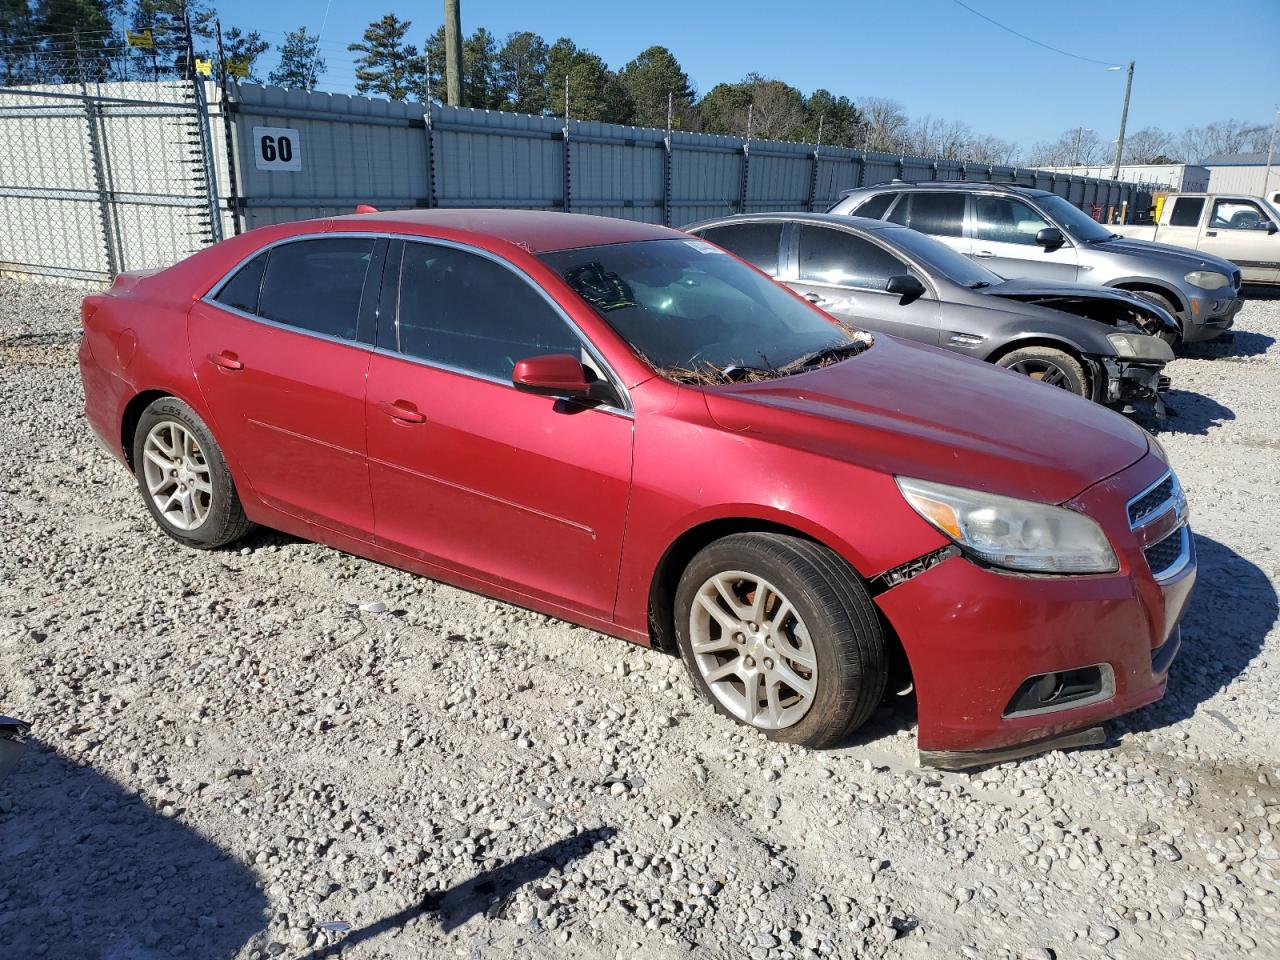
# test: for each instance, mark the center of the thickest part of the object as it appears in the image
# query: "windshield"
(694, 312)
(1073, 220)
(940, 258)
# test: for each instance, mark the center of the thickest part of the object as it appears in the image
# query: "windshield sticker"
(702, 246)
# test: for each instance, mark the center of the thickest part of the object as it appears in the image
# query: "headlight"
(1140, 346)
(1123, 343)
(1016, 534)
(1207, 279)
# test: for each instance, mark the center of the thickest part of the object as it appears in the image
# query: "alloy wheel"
(177, 475)
(1046, 371)
(753, 650)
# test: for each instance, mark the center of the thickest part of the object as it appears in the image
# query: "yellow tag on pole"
(141, 39)
(204, 67)
(237, 68)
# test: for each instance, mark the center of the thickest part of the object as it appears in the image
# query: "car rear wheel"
(184, 478)
(1054, 368)
(779, 634)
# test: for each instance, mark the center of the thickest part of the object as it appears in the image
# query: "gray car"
(1019, 233)
(1100, 343)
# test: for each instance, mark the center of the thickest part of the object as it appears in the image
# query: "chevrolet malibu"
(629, 428)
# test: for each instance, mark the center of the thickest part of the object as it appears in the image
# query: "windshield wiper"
(827, 354)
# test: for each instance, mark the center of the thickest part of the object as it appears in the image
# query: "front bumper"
(1212, 312)
(1129, 386)
(974, 636)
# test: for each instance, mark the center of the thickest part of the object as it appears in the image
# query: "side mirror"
(1270, 227)
(905, 286)
(1050, 238)
(560, 375)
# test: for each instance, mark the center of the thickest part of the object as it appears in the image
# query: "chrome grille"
(1165, 554)
(1151, 501)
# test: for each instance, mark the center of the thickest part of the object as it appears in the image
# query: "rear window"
(1186, 212)
(756, 243)
(875, 207)
(937, 214)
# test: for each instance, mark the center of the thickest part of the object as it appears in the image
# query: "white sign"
(277, 148)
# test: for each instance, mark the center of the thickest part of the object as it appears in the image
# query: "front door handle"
(226, 360)
(815, 298)
(403, 411)
(984, 254)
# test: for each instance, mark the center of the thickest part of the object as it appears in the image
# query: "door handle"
(984, 254)
(403, 411)
(1211, 233)
(226, 360)
(815, 298)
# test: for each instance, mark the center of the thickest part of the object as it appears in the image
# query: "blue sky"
(1198, 60)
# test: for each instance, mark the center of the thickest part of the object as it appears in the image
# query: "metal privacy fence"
(117, 176)
(100, 178)
(352, 150)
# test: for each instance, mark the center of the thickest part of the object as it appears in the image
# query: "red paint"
(570, 510)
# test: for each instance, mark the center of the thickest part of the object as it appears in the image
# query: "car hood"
(908, 409)
(1032, 287)
(1191, 259)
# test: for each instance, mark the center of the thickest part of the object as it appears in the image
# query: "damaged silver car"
(1103, 344)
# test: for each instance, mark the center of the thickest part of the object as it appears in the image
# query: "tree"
(300, 63)
(520, 73)
(1223, 136)
(777, 109)
(479, 71)
(18, 38)
(244, 48)
(167, 20)
(885, 124)
(649, 78)
(840, 119)
(1146, 145)
(79, 40)
(1076, 147)
(931, 136)
(724, 109)
(387, 64)
(595, 93)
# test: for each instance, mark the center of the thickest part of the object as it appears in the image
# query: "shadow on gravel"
(485, 893)
(1232, 610)
(1231, 346)
(89, 871)
(1193, 413)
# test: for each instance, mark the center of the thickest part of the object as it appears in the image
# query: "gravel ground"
(283, 751)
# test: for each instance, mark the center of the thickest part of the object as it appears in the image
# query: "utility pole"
(1124, 119)
(1271, 149)
(453, 52)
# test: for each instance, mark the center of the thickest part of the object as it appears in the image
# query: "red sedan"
(629, 428)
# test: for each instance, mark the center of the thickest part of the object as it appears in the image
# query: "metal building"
(1245, 173)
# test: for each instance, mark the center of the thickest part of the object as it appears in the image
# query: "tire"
(1160, 300)
(212, 515)
(832, 623)
(1054, 367)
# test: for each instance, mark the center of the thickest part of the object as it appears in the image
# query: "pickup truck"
(1242, 229)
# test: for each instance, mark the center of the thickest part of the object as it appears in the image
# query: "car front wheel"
(1054, 368)
(184, 479)
(779, 634)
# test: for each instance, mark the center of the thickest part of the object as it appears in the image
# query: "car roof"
(835, 219)
(964, 185)
(539, 231)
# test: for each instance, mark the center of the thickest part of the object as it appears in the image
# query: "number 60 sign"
(277, 148)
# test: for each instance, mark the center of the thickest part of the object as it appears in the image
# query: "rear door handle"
(226, 360)
(1211, 233)
(984, 254)
(815, 298)
(402, 410)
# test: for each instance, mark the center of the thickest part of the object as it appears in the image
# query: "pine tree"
(18, 42)
(167, 20)
(388, 65)
(649, 78)
(479, 71)
(595, 92)
(300, 63)
(521, 73)
(79, 38)
(244, 48)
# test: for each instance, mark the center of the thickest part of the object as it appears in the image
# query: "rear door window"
(756, 243)
(317, 285)
(937, 214)
(838, 258)
(1186, 212)
(1006, 220)
(875, 207)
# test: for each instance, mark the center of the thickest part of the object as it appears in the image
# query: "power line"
(1023, 36)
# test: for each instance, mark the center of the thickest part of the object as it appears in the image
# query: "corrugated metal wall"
(394, 155)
